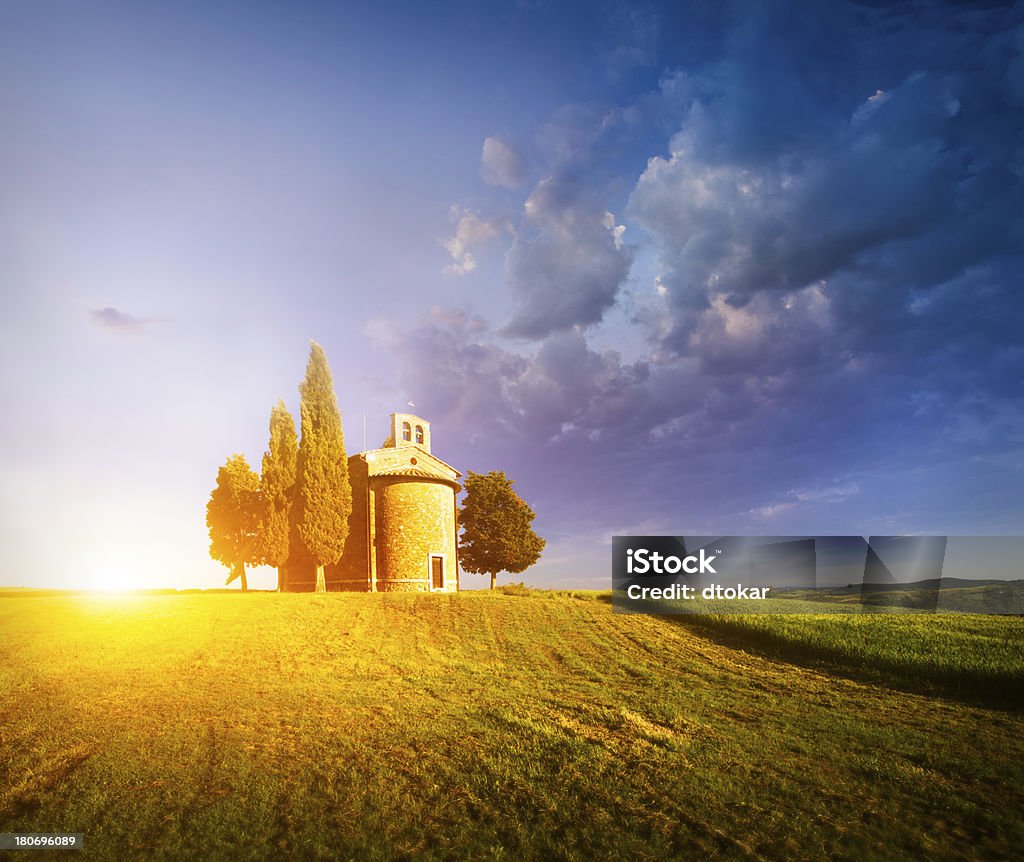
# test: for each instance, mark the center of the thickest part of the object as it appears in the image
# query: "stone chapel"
(402, 533)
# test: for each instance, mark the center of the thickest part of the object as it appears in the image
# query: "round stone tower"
(412, 509)
(402, 530)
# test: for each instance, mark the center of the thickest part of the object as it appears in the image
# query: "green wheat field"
(507, 725)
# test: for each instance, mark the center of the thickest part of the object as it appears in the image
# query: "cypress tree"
(232, 517)
(323, 496)
(277, 484)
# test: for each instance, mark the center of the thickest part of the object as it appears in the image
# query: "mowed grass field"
(481, 726)
(970, 656)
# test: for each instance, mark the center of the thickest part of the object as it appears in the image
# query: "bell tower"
(407, 429)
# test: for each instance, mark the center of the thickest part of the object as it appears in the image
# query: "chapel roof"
(409, 461)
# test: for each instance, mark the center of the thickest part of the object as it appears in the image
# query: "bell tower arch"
(408, 429)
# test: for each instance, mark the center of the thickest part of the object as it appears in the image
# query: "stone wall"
(301, 578)
(397, 523)
(414, 519)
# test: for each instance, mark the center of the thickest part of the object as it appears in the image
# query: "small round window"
(412, 461)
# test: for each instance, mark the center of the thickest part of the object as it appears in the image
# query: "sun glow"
(110, 578)
(112, 570)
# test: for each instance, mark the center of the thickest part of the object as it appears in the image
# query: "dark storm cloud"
(782, 179)
(890, 195)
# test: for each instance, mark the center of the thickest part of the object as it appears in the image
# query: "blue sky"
(700, 268)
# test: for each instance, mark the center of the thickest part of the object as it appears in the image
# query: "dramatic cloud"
(830, 239)
(737, 229)
(455, 365)
(568, 270)
(501, 164)
(117, 321)
(568, 262)
(813, 222)
(451, 367)
(704, 443)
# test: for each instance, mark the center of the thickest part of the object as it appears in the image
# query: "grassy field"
(970, 656)
(486, 727)
(1006, 597)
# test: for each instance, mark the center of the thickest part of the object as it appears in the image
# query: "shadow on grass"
(27, 793)
(1004, 691)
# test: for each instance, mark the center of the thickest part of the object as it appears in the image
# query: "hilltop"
(474, 725)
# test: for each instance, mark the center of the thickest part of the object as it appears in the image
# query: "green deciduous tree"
(323, 496)
(496, 532)
(232, 516)
(277, 484)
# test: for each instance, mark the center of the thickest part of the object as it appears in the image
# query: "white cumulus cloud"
(471, 230)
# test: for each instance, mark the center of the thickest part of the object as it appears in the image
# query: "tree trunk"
(321, 582)
(494, 578)
(240, 569)
(280, 579)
